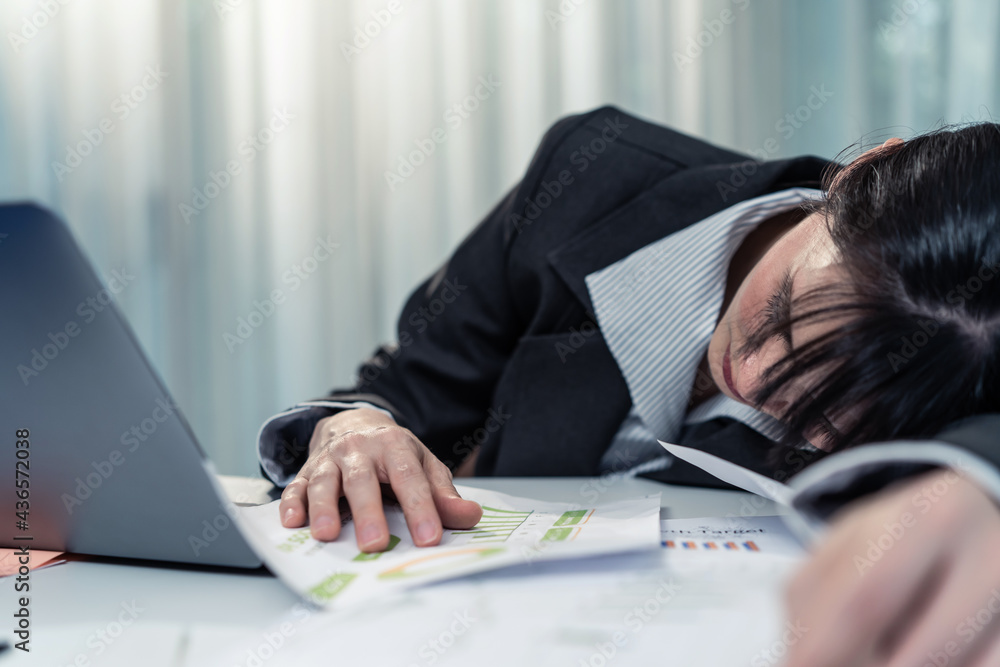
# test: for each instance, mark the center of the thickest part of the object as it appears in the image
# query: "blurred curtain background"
(336, 93)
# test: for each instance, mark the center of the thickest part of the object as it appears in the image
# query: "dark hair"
(917, 228)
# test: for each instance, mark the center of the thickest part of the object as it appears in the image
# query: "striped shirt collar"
(657, 309)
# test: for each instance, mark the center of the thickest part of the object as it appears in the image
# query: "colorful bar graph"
(710, 546)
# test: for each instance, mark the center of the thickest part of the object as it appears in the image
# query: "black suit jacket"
(499, 347)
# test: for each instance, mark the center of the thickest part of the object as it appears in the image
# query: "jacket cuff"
(283, 440)
(826, 486)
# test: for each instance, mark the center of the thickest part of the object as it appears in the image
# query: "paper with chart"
(730, 536)
(665, 606)
(513, 530)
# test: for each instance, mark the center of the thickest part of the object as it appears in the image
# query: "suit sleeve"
(970, 447)
(454, 337)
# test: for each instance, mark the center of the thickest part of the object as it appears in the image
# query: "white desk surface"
(91, 592)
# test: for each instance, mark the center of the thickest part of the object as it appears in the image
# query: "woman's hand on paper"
(353, 453)
(910, 576)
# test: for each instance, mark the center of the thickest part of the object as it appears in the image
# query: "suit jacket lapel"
(674, 203)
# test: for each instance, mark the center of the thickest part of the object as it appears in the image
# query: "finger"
(856, 597)
(959, 622)
(455, 511)
(856, 610)
(413, 493)
(813, 579)
(292, 508)
(323, 497)
(847, 532)
(990, 657)
(364, 495)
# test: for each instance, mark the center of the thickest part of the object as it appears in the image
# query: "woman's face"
(802, 259)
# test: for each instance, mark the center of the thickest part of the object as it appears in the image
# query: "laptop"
(99, 459)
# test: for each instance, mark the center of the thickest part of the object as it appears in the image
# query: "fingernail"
(322, 522)
(287, 516)
(426, 531)
(368, 535)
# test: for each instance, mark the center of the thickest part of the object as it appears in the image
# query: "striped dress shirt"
(657, 309)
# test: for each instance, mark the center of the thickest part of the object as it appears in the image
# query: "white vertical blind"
(233, 68)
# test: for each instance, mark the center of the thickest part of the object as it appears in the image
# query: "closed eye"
(779, 309)
(826, 427)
